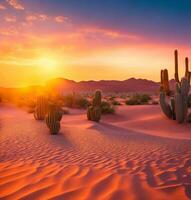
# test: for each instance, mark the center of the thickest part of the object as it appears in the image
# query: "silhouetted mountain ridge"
(129, 85)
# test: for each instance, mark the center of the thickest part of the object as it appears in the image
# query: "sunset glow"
(67, 43)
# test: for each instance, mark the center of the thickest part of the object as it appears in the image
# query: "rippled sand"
(135, 154)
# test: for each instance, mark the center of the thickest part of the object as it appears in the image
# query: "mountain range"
(129, 85)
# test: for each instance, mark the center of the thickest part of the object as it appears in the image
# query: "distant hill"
(62, 85)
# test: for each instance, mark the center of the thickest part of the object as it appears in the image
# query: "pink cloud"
(2, 7)
(15, 4)
(37, 17)
(108, 33)
(8, 32)
(61, 19)
(10, 19)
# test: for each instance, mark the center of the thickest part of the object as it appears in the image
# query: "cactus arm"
(176, 66)
(165, 106)
(186, 67)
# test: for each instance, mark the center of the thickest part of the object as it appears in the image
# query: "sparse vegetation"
(138, 99)
(75, 101)
(107, 108)
(115, 103)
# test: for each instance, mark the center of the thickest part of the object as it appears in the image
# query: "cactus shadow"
(61, 139)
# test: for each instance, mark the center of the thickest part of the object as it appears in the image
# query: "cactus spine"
(53, 119)
(41, 108)
(94, 111)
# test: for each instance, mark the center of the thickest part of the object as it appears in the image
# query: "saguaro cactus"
(41, 108)
(94, 111)
(165, 81)
(178, 107)
(53, 119)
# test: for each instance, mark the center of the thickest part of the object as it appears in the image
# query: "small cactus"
(41, 108)
(94, 111)
(53, 119)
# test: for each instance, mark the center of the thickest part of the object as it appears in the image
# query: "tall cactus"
(165, 81)
(94, 111)
(178, 107)
(41, 108)
(53, 119)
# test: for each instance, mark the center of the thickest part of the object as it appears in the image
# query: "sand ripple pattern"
(89, 161)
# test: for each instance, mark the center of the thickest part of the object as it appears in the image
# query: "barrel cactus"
(94, 111)
(53, 119)
(41, 108)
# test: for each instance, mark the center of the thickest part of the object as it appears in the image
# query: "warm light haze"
(86, 40)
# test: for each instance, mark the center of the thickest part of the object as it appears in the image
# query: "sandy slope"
(111, 160)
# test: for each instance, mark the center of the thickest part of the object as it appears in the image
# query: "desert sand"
(135, 154)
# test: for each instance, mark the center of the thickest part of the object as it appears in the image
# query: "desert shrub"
(75, 101)
(107, 108)
(115, 103)
(154, 102)
(68, 101)
(138, 99)
(112, 98)
(123, 96)
(82, 102)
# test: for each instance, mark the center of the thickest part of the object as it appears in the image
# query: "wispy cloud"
(2, 7)
(15, 4)
(8, 32)
(10, 19)
(37, 17)
(61, 19)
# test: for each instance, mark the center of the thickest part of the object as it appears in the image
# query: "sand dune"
(136, 154)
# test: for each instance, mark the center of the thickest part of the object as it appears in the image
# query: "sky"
(91, 39)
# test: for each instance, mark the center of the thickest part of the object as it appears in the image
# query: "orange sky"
(35, 47)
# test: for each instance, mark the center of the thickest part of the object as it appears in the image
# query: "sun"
(47, 63)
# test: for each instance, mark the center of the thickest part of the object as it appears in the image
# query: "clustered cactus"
(53, 119)
(94, 111)
(49, 112)
(176, 106)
